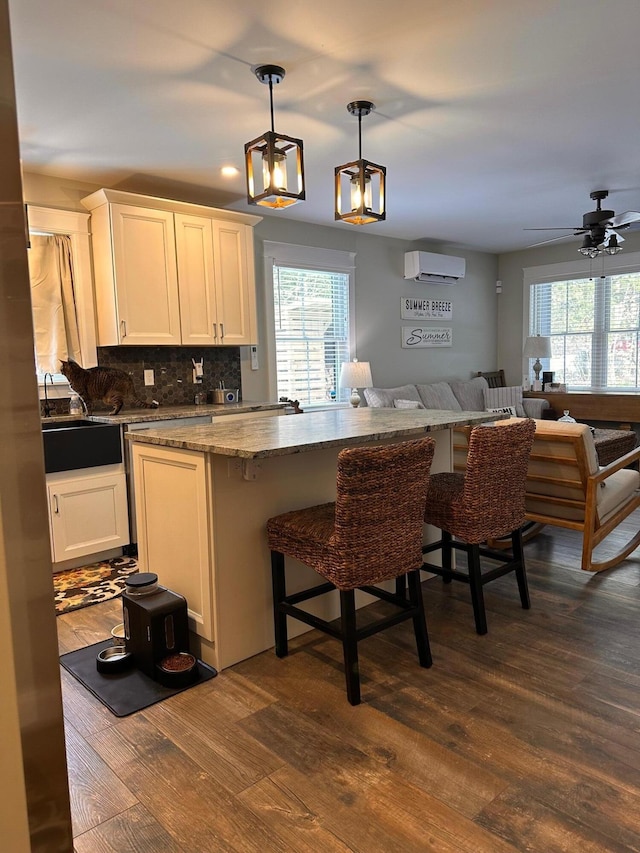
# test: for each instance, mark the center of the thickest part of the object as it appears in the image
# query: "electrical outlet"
(254, 358)
(149, 378)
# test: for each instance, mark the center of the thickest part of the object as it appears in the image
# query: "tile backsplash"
(173, 370)
(173, 374)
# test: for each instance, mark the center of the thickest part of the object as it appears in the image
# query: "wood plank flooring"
(525, 739)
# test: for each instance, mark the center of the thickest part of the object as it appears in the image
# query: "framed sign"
(414, 308)
(419, 336)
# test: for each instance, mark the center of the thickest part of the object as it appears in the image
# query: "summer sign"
(423, 309)
(413, 337)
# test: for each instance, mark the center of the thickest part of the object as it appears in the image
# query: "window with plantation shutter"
(311, 323)
(593, 322)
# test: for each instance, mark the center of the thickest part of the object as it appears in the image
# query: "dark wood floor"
(524, 739)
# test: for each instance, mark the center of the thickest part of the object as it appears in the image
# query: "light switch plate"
(149, 378)
(254, 358)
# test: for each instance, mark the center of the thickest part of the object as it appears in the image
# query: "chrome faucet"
(46, 408)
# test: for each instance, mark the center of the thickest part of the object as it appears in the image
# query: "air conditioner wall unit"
(433, 268)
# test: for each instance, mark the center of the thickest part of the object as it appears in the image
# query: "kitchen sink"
(76, 444)
(68, 424)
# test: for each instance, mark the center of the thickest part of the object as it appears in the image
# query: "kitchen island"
(204, 494)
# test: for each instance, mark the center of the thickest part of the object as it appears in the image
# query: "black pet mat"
(125, 692)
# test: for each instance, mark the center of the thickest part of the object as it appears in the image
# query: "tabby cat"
(108, 384)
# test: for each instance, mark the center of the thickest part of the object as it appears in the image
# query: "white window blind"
(594, 326)
(311, 319)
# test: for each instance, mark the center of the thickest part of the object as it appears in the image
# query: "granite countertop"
(256, 438)
(165, 413)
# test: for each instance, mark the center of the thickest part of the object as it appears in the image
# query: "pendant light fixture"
(274, 164)
(360, 185)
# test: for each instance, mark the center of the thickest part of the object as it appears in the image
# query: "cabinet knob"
(222, 330)
(123, 328)
(215, 331)
(56, 508)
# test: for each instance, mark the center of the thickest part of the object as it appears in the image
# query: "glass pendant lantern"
(274, 162)
(360, 185)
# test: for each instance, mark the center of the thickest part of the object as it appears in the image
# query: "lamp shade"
(537, 346)
(356, 374)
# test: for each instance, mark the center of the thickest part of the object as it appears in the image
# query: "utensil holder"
(225, 395)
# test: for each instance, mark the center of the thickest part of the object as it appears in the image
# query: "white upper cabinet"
(171, 273)
(145, 276)
(234, 266)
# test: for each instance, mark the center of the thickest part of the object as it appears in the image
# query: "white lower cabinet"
(87, 513)
(172, 502)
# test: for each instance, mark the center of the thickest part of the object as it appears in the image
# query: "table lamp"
(537, 347)
(355, 374)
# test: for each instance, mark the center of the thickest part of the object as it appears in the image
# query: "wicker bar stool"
(372, 533)
(486, 502)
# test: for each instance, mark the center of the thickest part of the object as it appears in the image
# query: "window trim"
(304, 257)
(578, 268)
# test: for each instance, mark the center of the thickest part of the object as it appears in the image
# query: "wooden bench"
(567, 487)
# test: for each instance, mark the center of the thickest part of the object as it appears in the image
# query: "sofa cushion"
(384, 397)
(407, 404)
(509, 396)
(470, 393)
(534, 407)
(618, 489)
(438, 396)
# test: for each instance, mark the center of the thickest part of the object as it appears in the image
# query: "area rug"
(76, 588)
(125, 692)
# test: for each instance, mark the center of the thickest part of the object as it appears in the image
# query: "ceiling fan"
(599, 227)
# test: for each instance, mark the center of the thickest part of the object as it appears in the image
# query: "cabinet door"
(88, 515)
(235, 282)
(146, 277)
(174, 528)
(194, 248)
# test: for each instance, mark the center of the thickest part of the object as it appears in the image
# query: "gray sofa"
(471, 395)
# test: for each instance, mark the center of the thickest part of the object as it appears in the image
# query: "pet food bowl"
(177, 670)
(113, 659)
(117, 634)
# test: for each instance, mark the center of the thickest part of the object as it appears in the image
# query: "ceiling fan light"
(612, 247)
(587, 246)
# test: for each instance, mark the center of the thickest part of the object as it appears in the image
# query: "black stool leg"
(350, 644)
(401, 586)
(446, 556)
(279, 593)
(521, 572)
(419, 620)
(475, 584)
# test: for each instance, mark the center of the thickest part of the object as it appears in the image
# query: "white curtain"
(55, 320)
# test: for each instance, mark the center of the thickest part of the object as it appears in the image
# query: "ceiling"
(491, 115)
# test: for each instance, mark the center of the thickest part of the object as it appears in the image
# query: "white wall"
(510, 303)
(379, 285)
